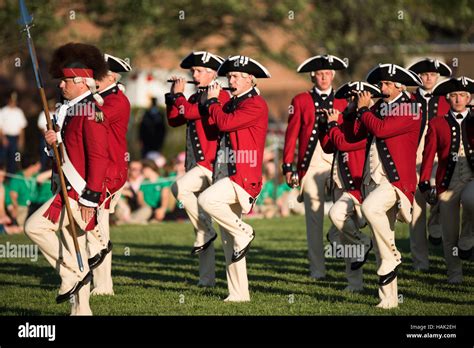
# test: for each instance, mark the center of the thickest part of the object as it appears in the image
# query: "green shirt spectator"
(24, 187)
(152, 191)
(267, 192)
(282, 188)
(43, 192)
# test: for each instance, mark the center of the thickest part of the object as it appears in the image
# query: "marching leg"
(313, 194)
(379, 209)
(418, 238)
(434, 225)
(466, 237)
(102, 280)
(221, 203)
(186, 190)
(449, 213)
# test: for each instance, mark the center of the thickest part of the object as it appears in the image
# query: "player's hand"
(332, 115)
(50, 137)
(87, 213)
(292, 181)
(364, 99)
(178, 85)
(213, 90)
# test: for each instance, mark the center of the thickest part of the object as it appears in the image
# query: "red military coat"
(397, 137)
(180, 111)
(243, 122)
(116, 109)
(350, 155)
(85, 137)
(303, 127)
(443, 139)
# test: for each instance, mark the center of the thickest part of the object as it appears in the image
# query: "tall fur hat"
(78, 60)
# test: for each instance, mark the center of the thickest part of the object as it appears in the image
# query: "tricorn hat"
(394, 73)
(116, 64)
(202, 58)
(243, 64)
(322, 62)
(430, 65)
(455, 84)
(357, 86)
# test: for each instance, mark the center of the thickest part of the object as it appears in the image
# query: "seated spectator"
(43, 191)
(265, 204)
(287, 199)
(175, 208)
(23, 189)
(128, 202)
(6, 223)
(153, 196)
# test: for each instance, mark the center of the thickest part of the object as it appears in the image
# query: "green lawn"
(159, 277)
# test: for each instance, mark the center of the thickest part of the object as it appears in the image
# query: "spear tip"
(25, 18)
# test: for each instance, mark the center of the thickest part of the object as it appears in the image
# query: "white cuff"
(87, 203)
(49, 152)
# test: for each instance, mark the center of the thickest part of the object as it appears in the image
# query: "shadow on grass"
(48, 278)
(170, 267)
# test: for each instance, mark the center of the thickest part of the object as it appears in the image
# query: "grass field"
(159, 277)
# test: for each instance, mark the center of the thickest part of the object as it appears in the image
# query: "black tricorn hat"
(430, 65)
(394, 73)
(78, 59)
(322, 62)
(117, 64)
(202, 58)
(357, 86)
(243, 64)
(455, 84)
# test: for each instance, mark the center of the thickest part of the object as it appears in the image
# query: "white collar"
(109, 87)
(241, 94)
(423, 93)
(396, 98)
(464, 114)
(327, 91)
(78, 99)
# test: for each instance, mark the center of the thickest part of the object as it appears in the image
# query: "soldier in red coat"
(83, 132)
(346, 175)
(451, 138)
(389, 178)
(201, 147)
(313, 165)
(116, 108)
(237, 170)
(432, 106)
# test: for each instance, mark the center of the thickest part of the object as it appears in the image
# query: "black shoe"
(200, 249)
(75, 289)
(435, 240)
(239, 255)
(465, 254)
(109, 247)
(97, 259)
(388, 278)
(358, 264)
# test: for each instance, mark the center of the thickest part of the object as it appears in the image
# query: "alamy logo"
(350, 251)
(85, 108)
(239, 156)
(23, 251)
(37, 331)
(411, 109)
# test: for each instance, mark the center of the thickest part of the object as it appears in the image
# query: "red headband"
(77, 72)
